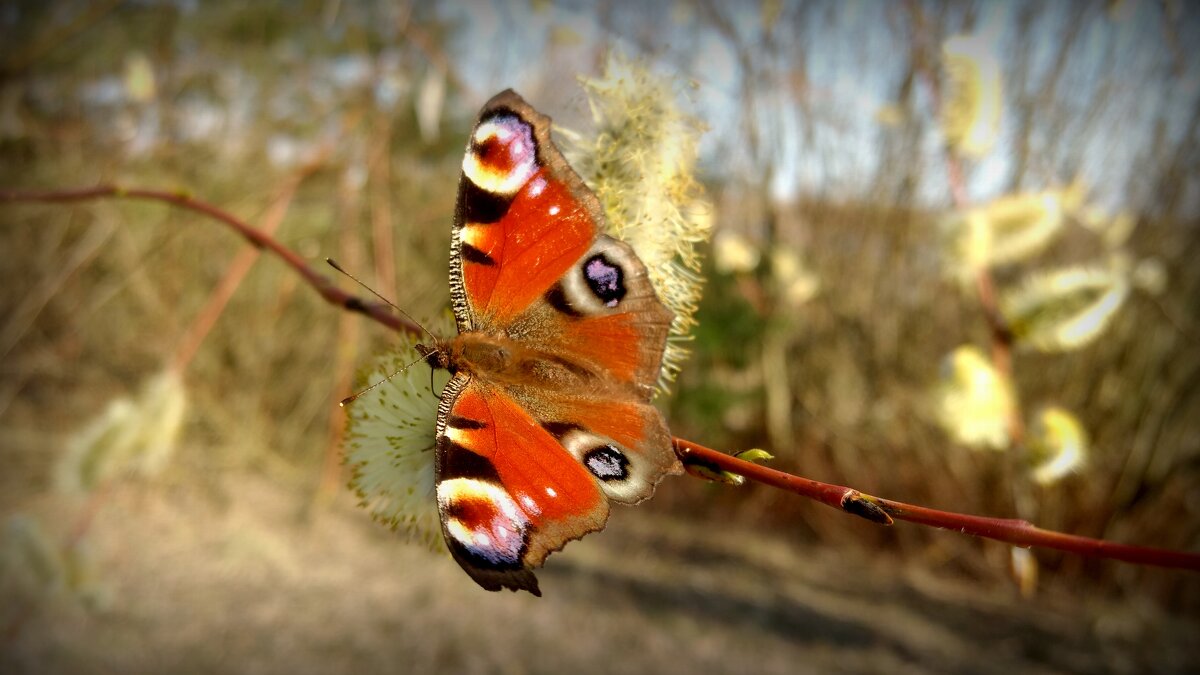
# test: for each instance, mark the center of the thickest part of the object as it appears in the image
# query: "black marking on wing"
(499, 111)
(607, 463)
(459, 461)
(605, 278)
(474, 255)
(460, 422)
(557, 298)
(477, 205)
(560, 429)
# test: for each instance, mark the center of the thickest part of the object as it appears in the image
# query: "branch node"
(866, 506)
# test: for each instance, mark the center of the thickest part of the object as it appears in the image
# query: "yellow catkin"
(132, 436)
(1065, 309)
(974, 402)
(1058, 445)
(973, 95)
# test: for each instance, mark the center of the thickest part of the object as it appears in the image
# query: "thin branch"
(223, 292)
(379, 312)
(882, 511)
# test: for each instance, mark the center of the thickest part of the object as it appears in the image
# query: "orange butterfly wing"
(508, 492)
(523, 216)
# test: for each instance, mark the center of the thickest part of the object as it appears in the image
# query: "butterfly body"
(547, 416)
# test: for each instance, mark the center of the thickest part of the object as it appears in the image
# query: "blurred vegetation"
(820, 337)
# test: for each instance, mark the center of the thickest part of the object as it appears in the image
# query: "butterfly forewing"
(523, 216)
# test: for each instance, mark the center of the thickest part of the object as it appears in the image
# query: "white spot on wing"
(531, 506)
(537, 186)
(554, 210)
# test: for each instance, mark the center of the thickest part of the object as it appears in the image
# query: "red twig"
(190, 343)
(882, 511)
(849, 500)
(331, 293)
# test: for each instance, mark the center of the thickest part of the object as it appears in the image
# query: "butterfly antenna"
(334, 265)
(353, 397)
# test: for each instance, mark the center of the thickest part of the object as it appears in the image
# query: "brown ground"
(250, 584)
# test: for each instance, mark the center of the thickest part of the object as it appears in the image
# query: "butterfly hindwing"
(623, 443)
(508, 491)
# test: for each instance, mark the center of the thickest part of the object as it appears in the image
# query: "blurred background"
(952, 263)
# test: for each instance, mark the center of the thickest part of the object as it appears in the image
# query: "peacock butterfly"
(547, 416)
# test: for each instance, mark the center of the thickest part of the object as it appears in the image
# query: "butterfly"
(546, 418)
